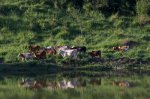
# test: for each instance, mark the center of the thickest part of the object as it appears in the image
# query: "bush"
(142, 9)
(11, 9)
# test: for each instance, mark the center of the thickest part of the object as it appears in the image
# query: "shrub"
(142, 9)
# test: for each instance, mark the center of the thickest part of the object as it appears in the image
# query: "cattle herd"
(38, 52)
(66, 83)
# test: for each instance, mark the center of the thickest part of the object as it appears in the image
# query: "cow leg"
(23, 59)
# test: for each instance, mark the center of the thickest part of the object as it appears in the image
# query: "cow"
(25, 56)
(40, 54)
(121, 48)
(34, 48)
(116, 48)
(71, 53)
(121, 83)
(26, 83)
(49, 47)
(82, 82)
(79, 48)
(32, 84)
(53, 85)
(71, 84)
(58, 48)
(64, 84)
(95, 81)
(50, 51)
(95, 54)
(124, 48)
(39, 85)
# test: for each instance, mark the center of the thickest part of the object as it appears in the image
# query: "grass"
(22, 24)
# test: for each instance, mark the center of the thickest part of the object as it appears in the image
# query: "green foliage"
(62, 34)
(96, 24)
(143, 9)
(80, 40)
(52, 23)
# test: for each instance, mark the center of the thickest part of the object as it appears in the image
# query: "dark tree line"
(113, 6)
(123, 7)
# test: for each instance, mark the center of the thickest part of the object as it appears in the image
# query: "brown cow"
(50, 51)
(94, 54)
(32, 84)
(95, 81)
(34, 48)
(116, 48)
(40, 54)
(121, 48)
(121, 83)
(39, 85)
(124, 48)
(53, 85)
(26, 83)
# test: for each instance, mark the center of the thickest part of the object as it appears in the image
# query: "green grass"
(22, 24)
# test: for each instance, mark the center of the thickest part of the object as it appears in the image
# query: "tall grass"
(142, 9)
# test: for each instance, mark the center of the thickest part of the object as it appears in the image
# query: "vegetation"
(96, 24)
(51, 23)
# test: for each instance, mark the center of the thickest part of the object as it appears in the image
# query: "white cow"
(25, 56)
(26, 83)
(70, 85)
(71, 53)
(61, 48)
(64, 84)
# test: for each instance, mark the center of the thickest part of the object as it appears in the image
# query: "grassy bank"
(44, 67)
(29, 22)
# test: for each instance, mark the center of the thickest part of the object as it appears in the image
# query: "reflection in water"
(64, 83)
(67, 80)
(72, 79)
